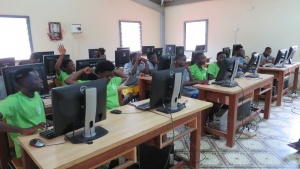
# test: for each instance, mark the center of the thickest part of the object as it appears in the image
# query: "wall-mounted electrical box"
(76, 28)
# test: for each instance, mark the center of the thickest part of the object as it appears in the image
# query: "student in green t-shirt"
(198, 70)
(67, 65)
(104, 69)
(213, 68)
(23, 111)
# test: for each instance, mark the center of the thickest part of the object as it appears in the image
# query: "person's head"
(28, 78)
(180, 60)
(68, 66)
(101, 53)
(105, 69)
(151, 56)
(267, 51)
(34, 58)
(200, 58)
(220, 57)
(133, 57)
(239, 51)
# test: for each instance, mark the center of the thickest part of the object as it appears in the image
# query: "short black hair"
(268, 48)
(101, 51)
(21, 74)
(34, 56)
(178, 56)
(104, 66)
(238, 47)
(133, 54)
(66, 62)
(198, 54)
(149, 55)
(220, 53)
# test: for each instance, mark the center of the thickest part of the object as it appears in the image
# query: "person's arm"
(190, 73)
(146, 69)
(119, 74)
(62, 52)
(136, 64)
(72, 79)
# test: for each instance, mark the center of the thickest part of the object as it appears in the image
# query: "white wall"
(99, 20)
(273, 23)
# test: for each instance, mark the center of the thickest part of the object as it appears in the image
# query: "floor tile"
(238, 159)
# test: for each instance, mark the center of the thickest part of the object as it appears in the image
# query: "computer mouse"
(116, 111)
(36, 142)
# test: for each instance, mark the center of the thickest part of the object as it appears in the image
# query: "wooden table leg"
(280, 88)
(26, 160)
(231, 123)
(195, 144)
(204, 114)
(142, 91)
(4, 151)
(295, 82)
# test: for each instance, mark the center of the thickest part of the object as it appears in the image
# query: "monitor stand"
(174, 106)
(90, 132)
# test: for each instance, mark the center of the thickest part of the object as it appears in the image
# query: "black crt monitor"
(226, 51)
(41, 55)
(165, 90)
(193, 58)
(170, 50)
(12, 87)
(158, 52)
(253, 65)
(79, 105)
(180, 50)
(166, 62)
(200, 48)
(80, 64)
(121, 57)
(280, 58)
(4, 62)
(123, 48)
(227, 73)
(233, 49)
(147, 49)
(50, 61)
(291, 53)
(93, 53)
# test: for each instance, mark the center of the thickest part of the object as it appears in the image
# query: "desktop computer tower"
(150, 157)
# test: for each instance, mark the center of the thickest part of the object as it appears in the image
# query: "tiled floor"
(268, 149)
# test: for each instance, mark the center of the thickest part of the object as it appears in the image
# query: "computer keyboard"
(48, 134)
(144, 106)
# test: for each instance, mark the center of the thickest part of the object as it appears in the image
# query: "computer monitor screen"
(121, 57)
(180, 50)
(193, 60)
(166, 62)
(280, 58)
(252, 65)
(200, 48)
(124, 48)
(147, 49)
(227, 73)
(169, 88)
(158, 52)
(233, 49)
(80, 64)
(93, 53)
(4, 62)
(226, 51)
(9, 80)
(50, 61)
(71, 107)
(41, 55)
(170, 49)
(292, 51)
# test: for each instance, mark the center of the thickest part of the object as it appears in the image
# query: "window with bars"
(131, 35)
(195, 34)
(15, 37)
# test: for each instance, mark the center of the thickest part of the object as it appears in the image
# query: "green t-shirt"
(62, 77)
(197, 73)
(213, 69)
(112, 97)
(22, 111)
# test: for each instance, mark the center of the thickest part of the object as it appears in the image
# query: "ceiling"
(174, 2)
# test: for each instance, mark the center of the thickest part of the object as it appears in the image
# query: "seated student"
(188, 90)
(34, 58)
(198, 70)
(152, 62)
(239, 55)
(101, 53)
(105, 69)
(68, 66)
(23, 111)
(266, 57)
(132, 70)
(213, 68)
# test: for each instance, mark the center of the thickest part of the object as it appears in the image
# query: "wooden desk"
(279, 75)
(144, 84)
(126, 131)
(229, 96)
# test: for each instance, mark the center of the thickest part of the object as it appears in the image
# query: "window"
(195, 34)
(15, 37)
(131, 35)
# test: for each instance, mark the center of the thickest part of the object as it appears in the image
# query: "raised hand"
(62, 50)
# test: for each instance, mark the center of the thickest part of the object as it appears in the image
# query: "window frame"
(206, 33)
(120, 32)
(28, 29)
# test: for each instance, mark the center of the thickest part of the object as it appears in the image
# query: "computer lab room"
(149, 84)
